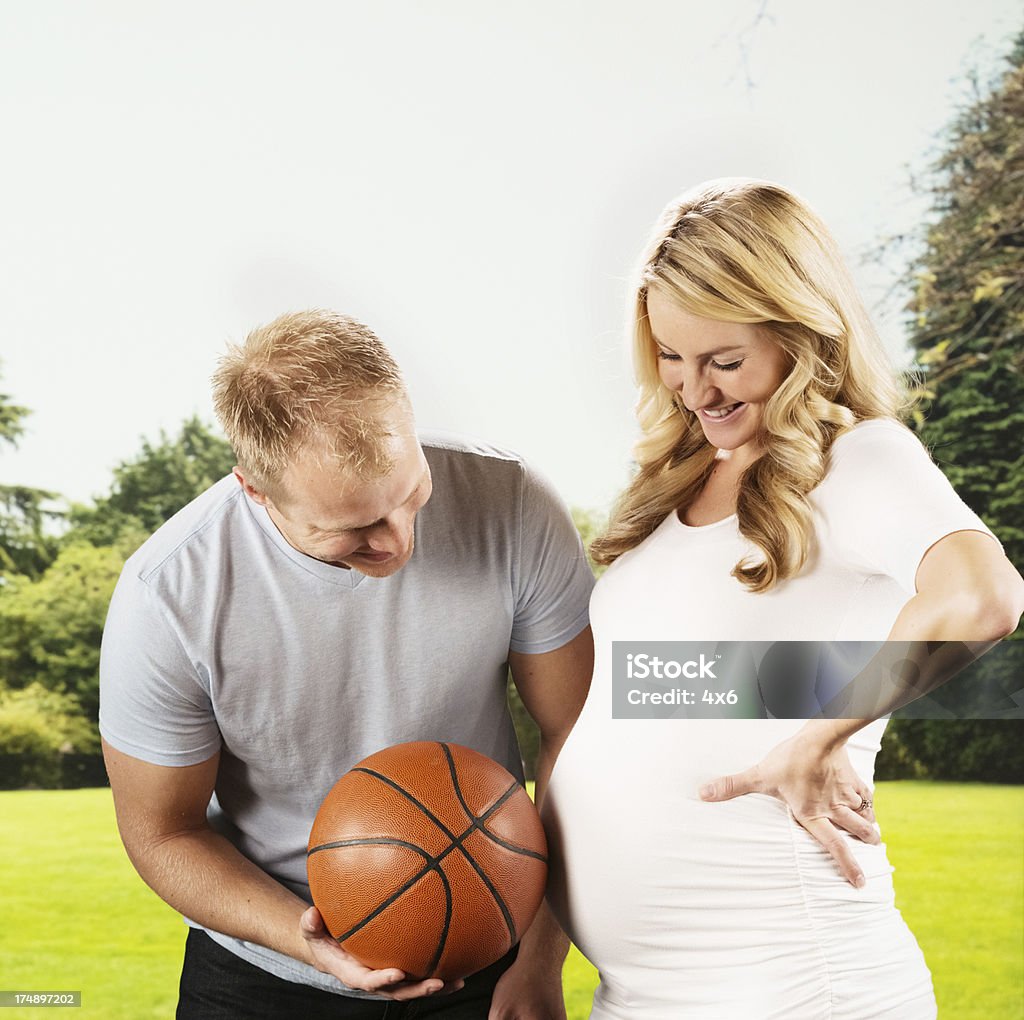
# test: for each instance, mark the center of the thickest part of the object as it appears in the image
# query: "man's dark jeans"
(217, 985)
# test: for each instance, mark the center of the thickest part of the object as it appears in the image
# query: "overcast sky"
(472, 180)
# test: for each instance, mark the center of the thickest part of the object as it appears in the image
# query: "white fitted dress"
(731, 910)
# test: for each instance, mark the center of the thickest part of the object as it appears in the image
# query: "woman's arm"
(969, 597)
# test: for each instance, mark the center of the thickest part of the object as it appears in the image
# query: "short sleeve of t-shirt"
(884, 503)
(553, 580)
(152, 703)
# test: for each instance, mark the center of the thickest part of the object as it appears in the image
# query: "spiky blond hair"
(307, 378)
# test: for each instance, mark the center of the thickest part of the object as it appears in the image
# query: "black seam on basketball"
(442, 941)
(475, 819)
(479, 826)
(433, 863)
(455, 782)
(498, 803)
(405, 793)
(521, 850)
(377, 911)
(490, 888)
(372, 841)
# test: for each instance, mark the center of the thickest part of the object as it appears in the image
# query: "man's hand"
(327, 956)
(525, 992)
(814, 778)
(531, 989)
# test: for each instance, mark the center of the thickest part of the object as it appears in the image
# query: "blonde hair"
(747, 251)
(307, 378)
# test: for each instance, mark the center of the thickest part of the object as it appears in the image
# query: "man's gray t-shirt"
(221, 636)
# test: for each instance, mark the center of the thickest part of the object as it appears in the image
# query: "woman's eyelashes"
(731, 367)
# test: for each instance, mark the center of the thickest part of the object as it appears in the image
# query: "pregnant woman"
(730, 869)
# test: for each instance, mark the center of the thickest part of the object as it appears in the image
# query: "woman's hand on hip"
(815, 780)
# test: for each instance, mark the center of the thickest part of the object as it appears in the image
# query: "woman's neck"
(717, 497)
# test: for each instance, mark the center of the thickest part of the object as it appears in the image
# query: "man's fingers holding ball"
(312, 924)
(403, 992)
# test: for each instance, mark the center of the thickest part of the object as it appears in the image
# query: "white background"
(472, 180)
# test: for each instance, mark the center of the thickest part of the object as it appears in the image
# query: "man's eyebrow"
(363, 527)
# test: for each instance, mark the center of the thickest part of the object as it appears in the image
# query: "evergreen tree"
(969, 309)
(25, 546)
(967, 332)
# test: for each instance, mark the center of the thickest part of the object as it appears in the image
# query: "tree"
(967, 331)
(978, 750)
(154, 485)
(40, 731)
(25, 546)
(11, 417)
(51, 628)
(50, 625)
(969, 309)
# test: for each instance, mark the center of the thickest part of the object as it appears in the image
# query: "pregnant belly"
(650, 881)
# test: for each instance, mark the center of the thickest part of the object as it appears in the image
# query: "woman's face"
(724, 371)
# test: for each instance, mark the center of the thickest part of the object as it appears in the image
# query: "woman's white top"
(732, 911)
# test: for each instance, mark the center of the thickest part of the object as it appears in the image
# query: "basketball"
(429, 857)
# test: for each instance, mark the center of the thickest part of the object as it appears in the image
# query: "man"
(353, 586)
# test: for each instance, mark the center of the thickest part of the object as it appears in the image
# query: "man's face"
(331, 514)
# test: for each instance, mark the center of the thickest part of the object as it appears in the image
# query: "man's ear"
(254, 494)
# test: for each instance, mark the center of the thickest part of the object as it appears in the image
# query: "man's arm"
(553, 686)
(161, 815)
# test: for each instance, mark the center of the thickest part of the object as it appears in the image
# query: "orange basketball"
(428, 857)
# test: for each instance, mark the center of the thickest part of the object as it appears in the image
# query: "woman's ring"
(864, 803)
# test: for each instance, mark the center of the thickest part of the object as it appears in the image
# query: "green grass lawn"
(76, 916)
